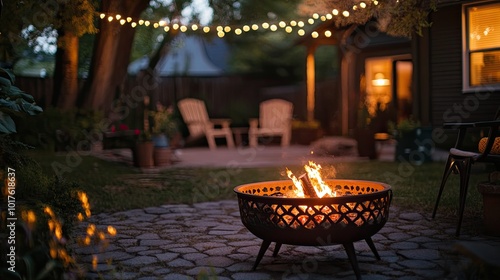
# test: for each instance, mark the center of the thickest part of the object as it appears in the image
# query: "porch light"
(380, 80)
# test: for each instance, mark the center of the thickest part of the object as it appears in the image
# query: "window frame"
(466, 52)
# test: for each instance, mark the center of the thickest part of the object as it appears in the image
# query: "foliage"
(74, 129)
(35, 192)
(13, 102)
(397, 18)
(164, 121)
(403, 126)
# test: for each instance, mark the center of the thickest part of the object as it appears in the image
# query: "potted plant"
(143, 149)
(490, 192)
(164, 129)
(365, 133)
(411, 140)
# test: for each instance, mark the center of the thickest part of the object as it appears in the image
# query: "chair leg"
(450, 164)
(229, 139)
(252, 140)
(211, 142)
(464, 169)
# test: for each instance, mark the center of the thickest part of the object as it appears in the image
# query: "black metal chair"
(460, 160)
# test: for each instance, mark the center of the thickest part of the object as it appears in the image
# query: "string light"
(223, 30)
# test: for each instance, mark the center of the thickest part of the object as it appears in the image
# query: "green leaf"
(9, 74)
(7, 124)
(31, 108)
(9, 104)
(5, 82)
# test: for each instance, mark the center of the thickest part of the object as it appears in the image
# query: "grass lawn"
(115, 186)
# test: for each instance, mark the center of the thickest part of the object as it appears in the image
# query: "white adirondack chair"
(275, 119)
(194, 113)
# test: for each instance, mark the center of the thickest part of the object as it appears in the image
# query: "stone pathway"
(208, 241)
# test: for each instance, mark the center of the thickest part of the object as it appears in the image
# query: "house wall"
(446, 100)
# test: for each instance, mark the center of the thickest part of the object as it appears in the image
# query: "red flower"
(123, 126)
(137, 131)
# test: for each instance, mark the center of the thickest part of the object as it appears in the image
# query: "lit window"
(482, 49)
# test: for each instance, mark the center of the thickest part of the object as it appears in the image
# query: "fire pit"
(273, 213)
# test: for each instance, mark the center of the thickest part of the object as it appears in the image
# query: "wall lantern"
(380, 80)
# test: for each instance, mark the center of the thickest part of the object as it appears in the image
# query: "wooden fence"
(234, 97)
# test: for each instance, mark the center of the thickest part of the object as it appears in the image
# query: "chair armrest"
(495, 123)
(222, 122)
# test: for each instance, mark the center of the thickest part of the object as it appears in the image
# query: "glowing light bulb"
(175, 26)
(183, 28)
(310, 21)
(301, 32)
(300, 24)
(362, 5)
(246, 28)
(288, 29)
(238, 31)
(118, 17)
(146, 23)
(282, 24)
(155, 25)
(265, 25)
(102, 16)
(122, 21)
(335, 12)
(166, 28)
(110, 18)
(293, 23)
(133, 24)
(206, 29)
(315, 34)
(219, 28)
(141, 22)
(194, 27)
(227, 29)
(221, 34)
(345, 13)
(129, 19)
(255, 27)
(315, 16)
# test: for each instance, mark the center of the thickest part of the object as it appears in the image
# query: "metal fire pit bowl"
(270, 211)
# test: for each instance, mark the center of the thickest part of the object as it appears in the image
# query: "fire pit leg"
(262, 251)
(351, 254)
(369, 241)
(276, 249)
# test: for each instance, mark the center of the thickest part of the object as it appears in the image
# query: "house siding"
(447, 100)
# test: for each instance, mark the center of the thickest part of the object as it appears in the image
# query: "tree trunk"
(66, 72)
(111, 55)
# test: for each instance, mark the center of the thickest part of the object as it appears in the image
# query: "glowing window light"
(155, 25)
(335, 12)
(315, 16)
(129, 19)
(300, 24)
(238, 31)
(221, 34)
(206, 29)
(219, 28)
(265, 25)
(310, 21)
(102, 16)
(175, 26)
(328, 33)
(345, 13)
(301, 32)
(362, 5)
(133, 24)
(194, 27)
(288, 29)
(122, 21)
(315, 34)
(184, 28)
(255, 27)
(141, 22)
(110, 18)
(293, 23)
(118, 17)
(227, 29)
(282, 24)
(146, 23)
(166, 28)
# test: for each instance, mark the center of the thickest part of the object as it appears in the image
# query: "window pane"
(484, 27)
(485, 68)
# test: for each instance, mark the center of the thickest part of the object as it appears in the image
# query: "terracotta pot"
(143, 154)
(491, 207)
(161, 156)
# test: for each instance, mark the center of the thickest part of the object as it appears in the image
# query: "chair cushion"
(494, 150)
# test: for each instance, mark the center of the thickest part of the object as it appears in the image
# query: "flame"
(85, 203)
(313, 172)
